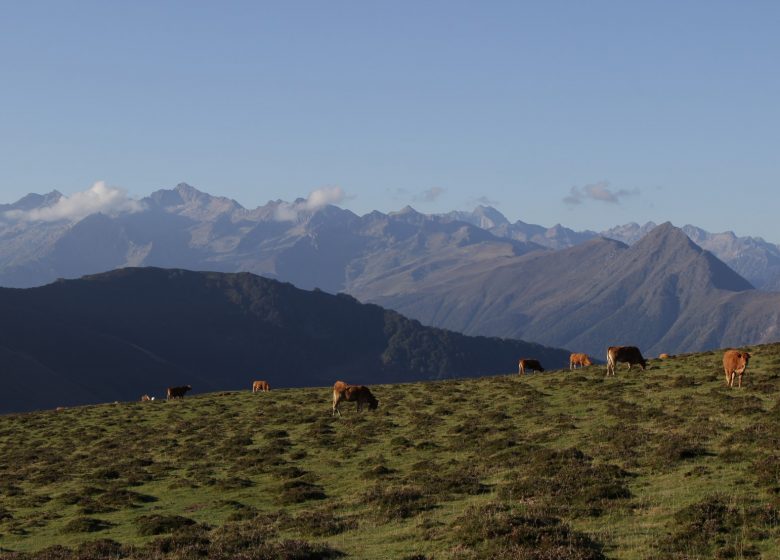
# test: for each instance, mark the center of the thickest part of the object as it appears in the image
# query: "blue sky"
(590, 114)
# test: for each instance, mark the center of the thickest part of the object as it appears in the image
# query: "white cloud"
(431, 194)
(597, 191)
(485, 201)
(288, 211)
(98, 198)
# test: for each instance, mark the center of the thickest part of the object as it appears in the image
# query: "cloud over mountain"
(98, 198)
(288, 211)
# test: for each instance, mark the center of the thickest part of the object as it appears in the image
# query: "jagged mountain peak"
(488, 217)
(34, 200)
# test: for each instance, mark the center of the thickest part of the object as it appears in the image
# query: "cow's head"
(586, 361)
(373, 403)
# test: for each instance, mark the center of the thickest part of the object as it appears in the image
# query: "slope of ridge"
(560, 465)
(117, 335)
(664, 294)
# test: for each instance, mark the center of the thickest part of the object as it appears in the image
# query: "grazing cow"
(260, 386)
(177, 392)
(664, 357)
(352, 393)
(145, 398)
(626, 354)
(531, 365)
(735, 361)
(581, 360)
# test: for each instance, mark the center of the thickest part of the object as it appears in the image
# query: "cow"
(531, 365)
(581, 360)
(177, 392)
(626, 354)
(352, 393)
(664, 357)
(145, 398)
(260, 386)
(735, 361)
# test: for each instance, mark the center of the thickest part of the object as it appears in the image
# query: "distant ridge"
(186, 227)
(664, 294)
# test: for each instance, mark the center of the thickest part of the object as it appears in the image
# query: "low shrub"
(156, 524)
(497, 531)
(397, 502)
(86, 525)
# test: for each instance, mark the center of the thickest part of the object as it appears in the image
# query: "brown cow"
(531, 365)
(735, 361)
(260, 386)
(177, 392)
(145, 398)
(626, 354)
(664, 357)
(352, 393)
(581, 360)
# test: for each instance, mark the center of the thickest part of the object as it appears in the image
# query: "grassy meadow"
(667, 463)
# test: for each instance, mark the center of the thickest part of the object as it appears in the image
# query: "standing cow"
(625, 354)
(258, 386)
(177, 392)
(581, 360)
(735, 362)
(531, 365)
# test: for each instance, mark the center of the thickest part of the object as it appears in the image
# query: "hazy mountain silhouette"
(664, 294)
(117, 335)
(325, 247)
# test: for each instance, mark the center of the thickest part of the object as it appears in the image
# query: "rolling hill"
(117, 335)
(667, 463)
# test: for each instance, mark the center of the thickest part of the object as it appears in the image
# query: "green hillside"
(668, 463)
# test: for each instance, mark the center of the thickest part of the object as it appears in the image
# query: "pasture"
(667, 463)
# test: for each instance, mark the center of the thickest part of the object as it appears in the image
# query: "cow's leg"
(740, 380)
(336, 401)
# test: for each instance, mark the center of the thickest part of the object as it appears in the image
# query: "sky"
(590, 114)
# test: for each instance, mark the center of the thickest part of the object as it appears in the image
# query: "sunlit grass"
(629, 467)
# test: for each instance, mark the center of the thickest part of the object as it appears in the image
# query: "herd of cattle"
(734, 363)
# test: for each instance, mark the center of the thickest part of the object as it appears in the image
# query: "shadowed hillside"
(662, 464)
(118, 335)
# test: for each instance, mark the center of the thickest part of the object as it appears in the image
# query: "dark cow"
(177, 392)
(626, 354)
(352, 393)
(581, 360)
(735, 362)
(531, 365)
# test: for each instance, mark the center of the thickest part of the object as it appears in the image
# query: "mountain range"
(664, 288)
(117, 335)
(184, 227)
(663, 294)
